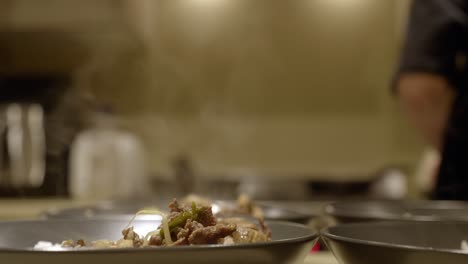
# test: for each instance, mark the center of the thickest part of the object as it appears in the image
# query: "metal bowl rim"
(392, 217)
(326, 233)
(313, 235)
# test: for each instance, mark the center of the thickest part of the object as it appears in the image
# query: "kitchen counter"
(27, 209)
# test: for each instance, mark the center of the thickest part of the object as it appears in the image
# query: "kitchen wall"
(273, 87)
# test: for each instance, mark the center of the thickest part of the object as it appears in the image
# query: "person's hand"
(427, 100)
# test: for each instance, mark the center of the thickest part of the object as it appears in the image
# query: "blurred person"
(431, 86)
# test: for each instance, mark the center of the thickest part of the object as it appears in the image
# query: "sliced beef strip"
(211, 234)
(190, 226)
(130, 234)
(156, 240)
(181, 235)
(205, 216)
(175, 207)
(246, 224)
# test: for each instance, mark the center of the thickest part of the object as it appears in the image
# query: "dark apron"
(452, 183)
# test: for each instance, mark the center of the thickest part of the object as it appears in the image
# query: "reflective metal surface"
(309, 209)
(346, 212)
(398, 242)
(106, 210)
(291, 243)
(126, 210)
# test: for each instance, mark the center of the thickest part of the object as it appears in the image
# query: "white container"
(107, 163)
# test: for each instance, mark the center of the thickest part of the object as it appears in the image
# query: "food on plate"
(184, 226)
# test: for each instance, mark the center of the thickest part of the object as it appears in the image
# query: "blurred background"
(276, 99)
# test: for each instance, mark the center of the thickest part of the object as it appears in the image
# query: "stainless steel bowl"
(357, 211)
(290, 244)
(398, 242)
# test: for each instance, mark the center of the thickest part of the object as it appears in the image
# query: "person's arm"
(428, 69)
(427, 100)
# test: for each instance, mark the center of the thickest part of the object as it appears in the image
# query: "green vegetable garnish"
(182, 218)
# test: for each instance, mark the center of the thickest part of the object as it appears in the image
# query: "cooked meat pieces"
(73, 244)
(243, 223)
(211, 234)
(203, 214)
(80, 243)
(240, 222)
(206, 217)
(190, 226)
(228, 230)
(247, 235)
(178, 219)
(180, 235)
(174, 207)
(156, 240)
(195, 233)
(129, 234)
(248, 232)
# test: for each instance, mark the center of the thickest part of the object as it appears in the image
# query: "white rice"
(46, 245)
